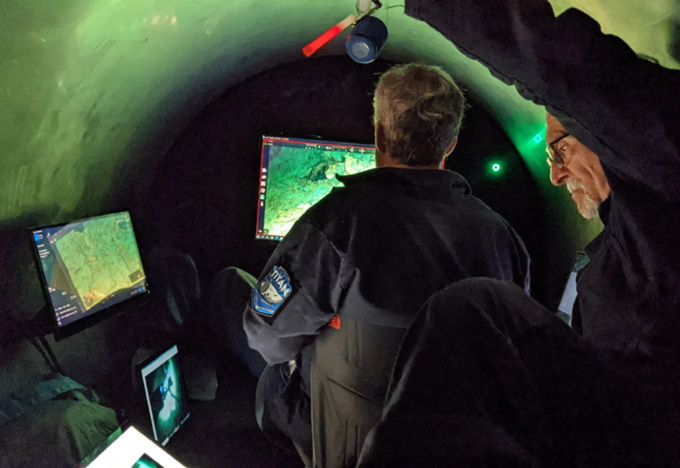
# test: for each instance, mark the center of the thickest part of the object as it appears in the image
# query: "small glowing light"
(538, 138)
(174, 19)
(496, 167)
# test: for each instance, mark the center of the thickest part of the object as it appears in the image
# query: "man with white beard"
(573, 164)
(486, 376)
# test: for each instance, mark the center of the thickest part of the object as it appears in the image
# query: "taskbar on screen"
(268, 237)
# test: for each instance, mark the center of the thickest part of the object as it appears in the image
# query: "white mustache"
(573, 185)
(589, 205)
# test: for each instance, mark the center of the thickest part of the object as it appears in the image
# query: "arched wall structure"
(93, 93)
(204, 197)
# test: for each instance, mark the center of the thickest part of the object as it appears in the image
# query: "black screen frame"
(114, 310)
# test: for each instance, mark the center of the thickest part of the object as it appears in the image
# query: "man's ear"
(379, 138)
(450, 148)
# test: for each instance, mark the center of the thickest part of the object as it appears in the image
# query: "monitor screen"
(165, 395)
(88, 266)
(133, 450)
(296, 173)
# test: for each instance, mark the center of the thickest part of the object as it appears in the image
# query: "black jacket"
(376, 249)
(627, 111)
(372, 253)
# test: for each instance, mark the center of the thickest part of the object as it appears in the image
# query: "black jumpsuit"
(349, 279)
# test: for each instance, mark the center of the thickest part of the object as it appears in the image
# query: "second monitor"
(90, 270)
(296, 173)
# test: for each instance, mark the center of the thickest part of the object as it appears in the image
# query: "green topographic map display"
(102, 258)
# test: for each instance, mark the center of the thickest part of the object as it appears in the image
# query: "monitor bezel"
(114, 310)
(140, 373)
(263, 135)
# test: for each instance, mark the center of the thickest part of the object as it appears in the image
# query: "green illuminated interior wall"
(94, 92)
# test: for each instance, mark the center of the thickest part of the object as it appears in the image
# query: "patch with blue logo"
(271, 292)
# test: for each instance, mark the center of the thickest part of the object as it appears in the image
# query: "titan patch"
(271, 293)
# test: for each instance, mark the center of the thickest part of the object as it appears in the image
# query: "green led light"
(538, 138)
(494, 168)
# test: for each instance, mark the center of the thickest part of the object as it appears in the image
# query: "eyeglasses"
(557, 155)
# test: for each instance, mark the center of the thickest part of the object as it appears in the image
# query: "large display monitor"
(90, 270)
(165, 395)
(295, 173)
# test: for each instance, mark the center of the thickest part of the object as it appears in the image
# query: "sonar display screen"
(296, 173)
(165, 395)
(89, 265)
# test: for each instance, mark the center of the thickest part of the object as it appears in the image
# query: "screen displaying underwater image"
(296, 173)
(89, 265)
(130, 450)
(146, 461)
(165, 394)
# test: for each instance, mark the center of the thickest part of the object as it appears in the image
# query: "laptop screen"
(165, 395)
(133, 450)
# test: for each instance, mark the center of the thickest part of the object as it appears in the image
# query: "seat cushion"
(55, 433)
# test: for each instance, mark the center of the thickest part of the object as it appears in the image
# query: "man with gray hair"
(355, 269)
(418, 114)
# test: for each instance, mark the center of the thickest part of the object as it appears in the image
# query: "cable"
(55, 361)
(387, 15)
(39, 341)
(41, 350)
(378, 6)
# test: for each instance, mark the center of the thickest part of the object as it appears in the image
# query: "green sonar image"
(146, 462)
(300, 177)
(167, 399)
(101, 258)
